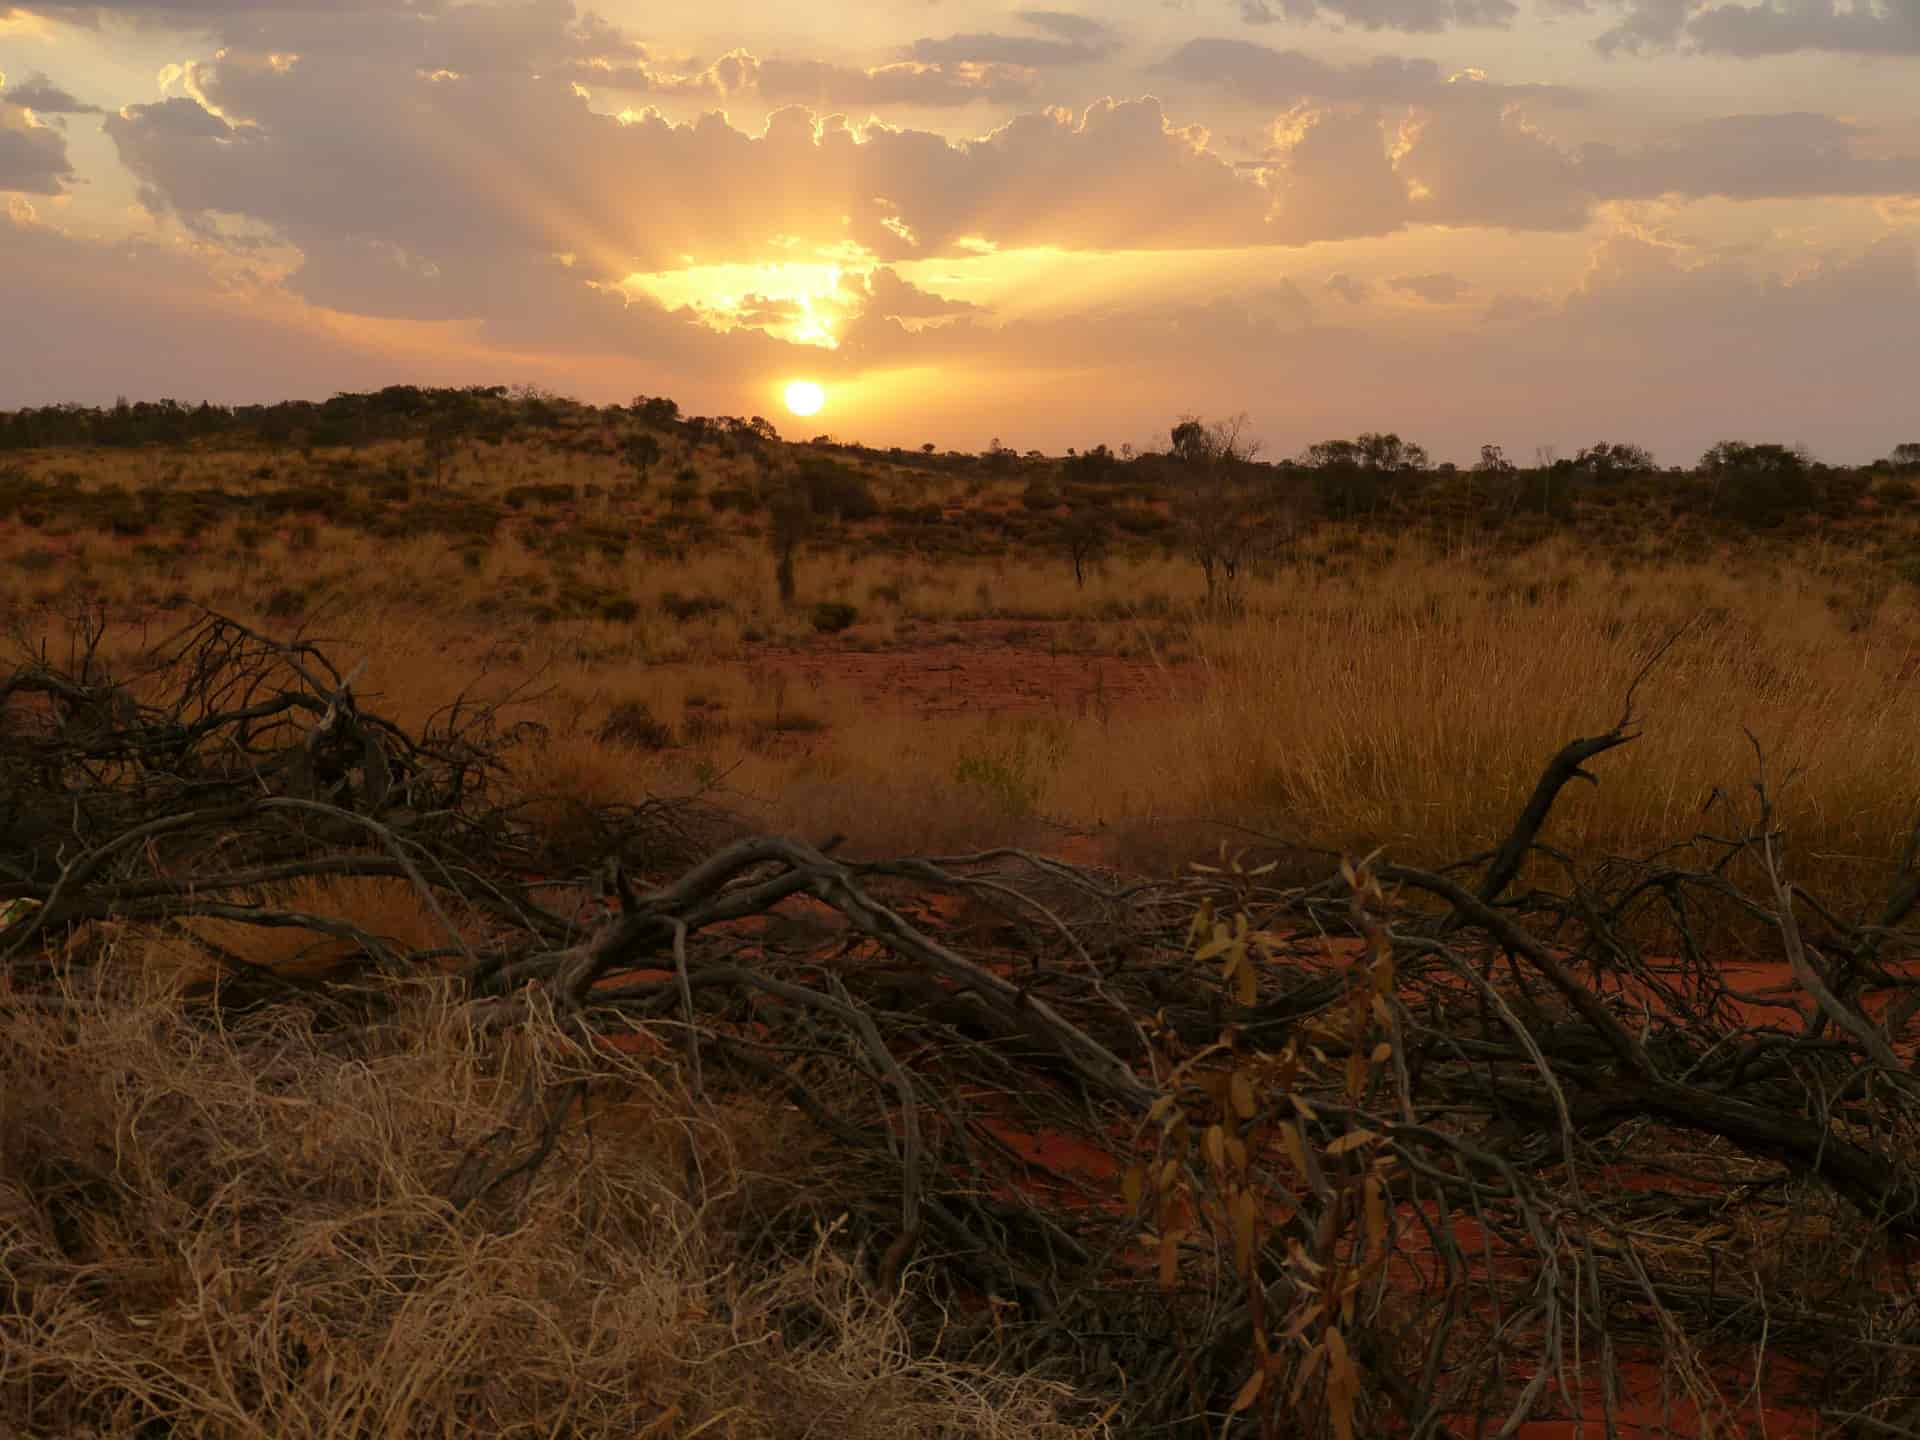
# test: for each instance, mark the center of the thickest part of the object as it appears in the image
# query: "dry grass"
(1374, 690)
(239, 1228)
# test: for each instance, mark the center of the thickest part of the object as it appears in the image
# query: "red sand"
(978, 668)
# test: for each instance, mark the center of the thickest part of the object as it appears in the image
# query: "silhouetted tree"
(1605, 463)
(1086, 534)
(642, 453)
(1216, 499)
(1356, 475)
(1761, 485)
(1191, 443)
(792, 518)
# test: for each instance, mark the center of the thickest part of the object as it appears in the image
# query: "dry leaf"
(1240, 1091)
(1249, 1392)
(1352, 1140)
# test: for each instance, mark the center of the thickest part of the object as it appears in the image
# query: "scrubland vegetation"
(340, 1098)
(1354, 648)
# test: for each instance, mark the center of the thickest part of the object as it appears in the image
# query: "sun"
(805, 397)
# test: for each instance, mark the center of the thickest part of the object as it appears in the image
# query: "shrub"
(830, 617)
(690, 607)
(732, 497)
(1041, 494)
(520, 496)
(832, 488)
(1896, 492)
(631, 723)
(1011, 761)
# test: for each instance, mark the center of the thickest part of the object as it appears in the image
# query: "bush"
(732, 497)
(1011, 761)
(1041, 494)
(835, 489)
(631, 723)
(830, 617)
(690, 607)
(1896, 492)
(519, 496)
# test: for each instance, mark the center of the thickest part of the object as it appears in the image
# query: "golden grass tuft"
(240, 1228)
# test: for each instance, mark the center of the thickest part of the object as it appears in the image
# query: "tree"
(791, 519)
(656, 409)
(1762, 484)
(1216, 500)
(999, 458)
(1905, 457)
(642, 453)
(1190, 441)
(1097, 466)
(444, 434)
(1605, 463)
(1085, 534)
(1355, 475)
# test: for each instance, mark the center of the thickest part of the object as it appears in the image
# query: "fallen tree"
(1488, 1157)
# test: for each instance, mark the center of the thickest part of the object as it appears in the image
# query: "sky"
(1532, 223)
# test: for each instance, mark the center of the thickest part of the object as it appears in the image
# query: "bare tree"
(1217, 499)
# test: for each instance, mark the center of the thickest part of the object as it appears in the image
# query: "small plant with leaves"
(1270, 1172)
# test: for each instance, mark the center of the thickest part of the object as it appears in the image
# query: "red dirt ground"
(980, 668)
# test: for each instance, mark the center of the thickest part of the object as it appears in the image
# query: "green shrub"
(1011, 760)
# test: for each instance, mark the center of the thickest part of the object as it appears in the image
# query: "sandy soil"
(981, 668)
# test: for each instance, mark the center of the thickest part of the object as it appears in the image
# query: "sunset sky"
(1526, 222)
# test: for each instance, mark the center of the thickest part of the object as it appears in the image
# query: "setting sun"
(804, 397)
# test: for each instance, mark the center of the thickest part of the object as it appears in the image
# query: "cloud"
(1654, 345)
(39, 94)
(814, 82)
(811, 82)
(1068, 26)
(88, 320)
(1650, 346)
(1353, 291)
(416, 191)
(1891, 27)
(1747, 157)
(1423, 16)
(1646, 25)
(1862, 27)
(194, 12)
(1436, 289)
(891, 298)
(1262, 75)
(1344, 170)
(1491, 166)
(33, 156)
(1332, 176)
(1072, 40)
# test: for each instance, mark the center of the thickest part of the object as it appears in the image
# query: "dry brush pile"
(986, 1143)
